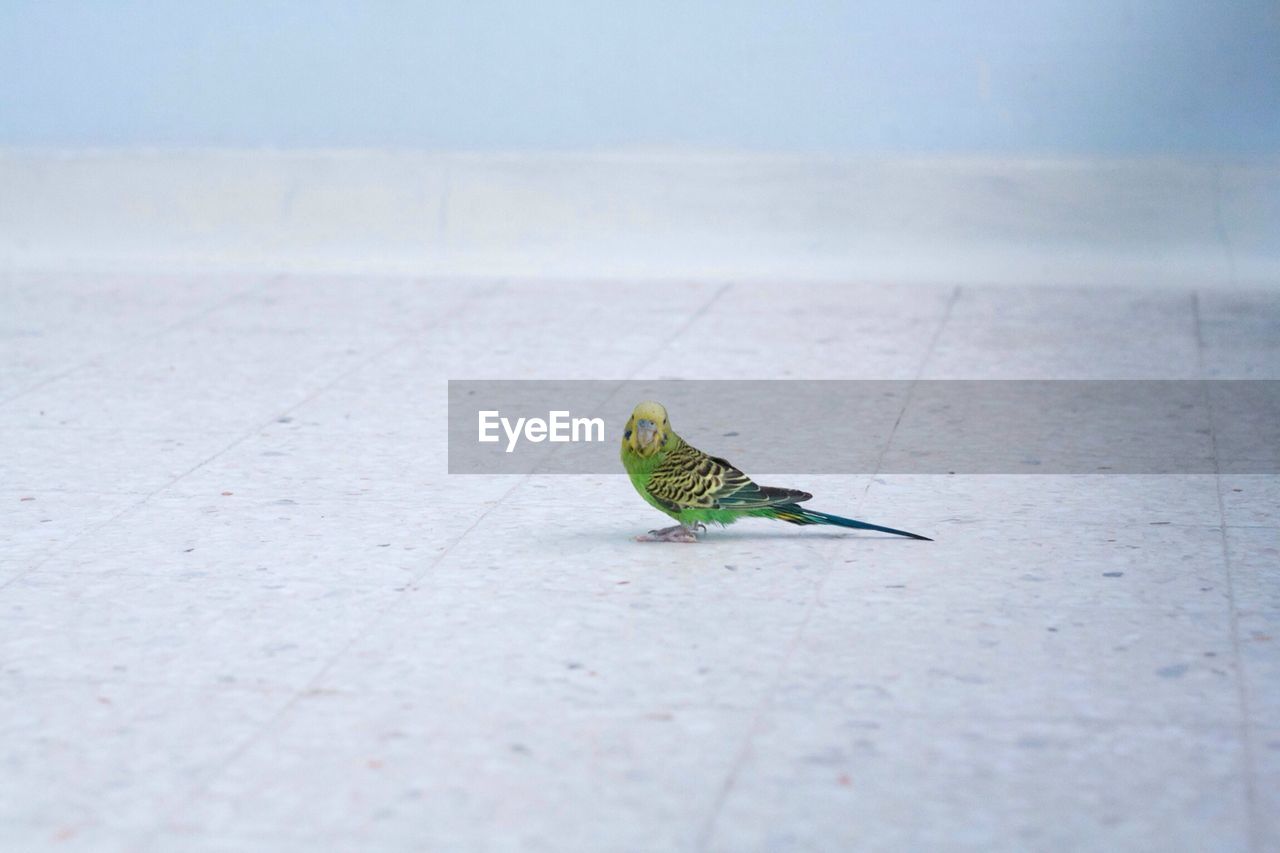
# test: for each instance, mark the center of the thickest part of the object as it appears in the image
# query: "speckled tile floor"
(244, 607)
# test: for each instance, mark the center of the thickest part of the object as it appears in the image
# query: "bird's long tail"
(797, 514)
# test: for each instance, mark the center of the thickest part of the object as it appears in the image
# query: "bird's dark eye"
(627, 434)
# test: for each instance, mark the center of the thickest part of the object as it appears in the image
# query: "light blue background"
(1180, 77)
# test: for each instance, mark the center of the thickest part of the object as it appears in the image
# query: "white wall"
(1073, 77)
(644, 215)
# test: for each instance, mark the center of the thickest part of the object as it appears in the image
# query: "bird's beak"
(645, 432)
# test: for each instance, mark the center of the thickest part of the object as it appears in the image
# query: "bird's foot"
(678, 533)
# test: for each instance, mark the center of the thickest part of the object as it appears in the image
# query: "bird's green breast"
(640, 470)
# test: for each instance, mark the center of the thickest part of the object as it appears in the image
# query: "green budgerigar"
(697, 489)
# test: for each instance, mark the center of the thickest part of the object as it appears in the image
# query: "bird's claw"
(679, 533)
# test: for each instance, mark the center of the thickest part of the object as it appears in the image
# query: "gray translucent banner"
(890, 427)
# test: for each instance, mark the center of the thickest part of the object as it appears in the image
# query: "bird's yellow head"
(648, 429)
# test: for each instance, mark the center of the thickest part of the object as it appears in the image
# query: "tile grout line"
(377, 618)
(175, 325)
(1118, 722)
(296, 694)
(1245, 726)
(915, 380)
(631, 377)
(693, 318)
(144, 498)
(755, 725)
